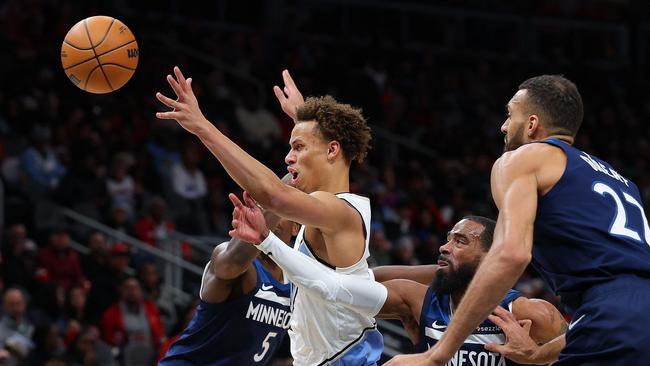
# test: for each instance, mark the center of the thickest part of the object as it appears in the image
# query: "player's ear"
(333, 150)
(533, 125)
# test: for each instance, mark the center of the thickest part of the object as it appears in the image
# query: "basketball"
(99, 54)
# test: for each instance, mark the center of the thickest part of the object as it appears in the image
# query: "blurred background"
(102, 202)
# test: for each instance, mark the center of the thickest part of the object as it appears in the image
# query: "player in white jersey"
(327, 138)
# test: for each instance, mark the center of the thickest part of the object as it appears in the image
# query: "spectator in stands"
(190, 187)
(74, 317)
(40, 163)
(84, 188)
(133, 324)
(404, 252)
(14, 320)
(96, 260)
(105, 286)
(155, 228)
(47, 344)
(258, 125)
(120, 185)
(19, 258)
(380, 247)
(87, 349)
(61, 262)
(149, 276)
(120, 219)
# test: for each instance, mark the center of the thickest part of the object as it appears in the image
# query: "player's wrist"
(263, 236)
(266, 242)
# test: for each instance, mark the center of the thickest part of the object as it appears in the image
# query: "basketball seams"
(118, 65)
(105, 34)
(95, 52)
(100, 54)
(73, 46)
(91, 73)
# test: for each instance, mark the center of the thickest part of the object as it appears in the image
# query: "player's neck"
(566, 138)
(456, 298)
(338, 181)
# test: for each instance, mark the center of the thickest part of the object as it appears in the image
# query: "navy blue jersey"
(436, 315)
(590, 227)
(244, 331)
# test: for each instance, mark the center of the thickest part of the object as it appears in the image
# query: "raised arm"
(321, 210)
(423, 274)
(514, 188)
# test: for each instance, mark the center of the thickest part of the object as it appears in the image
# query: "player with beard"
(590, 233)
(425, 311)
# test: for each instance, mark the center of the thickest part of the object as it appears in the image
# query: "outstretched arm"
(320, 210)
(514, 188)
(423, 274)
(363, 295)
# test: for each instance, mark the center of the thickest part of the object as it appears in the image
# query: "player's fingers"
(175, 86)
(180, 78)
(526, 324)
(168, 101)
(503, 313)
(288, 80)
(287, 91)
(235, 201)
(493, 347)
(499, 322)
(250, 202)
(168, 115)
(279, 94)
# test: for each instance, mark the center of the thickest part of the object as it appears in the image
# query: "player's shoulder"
(527, 157)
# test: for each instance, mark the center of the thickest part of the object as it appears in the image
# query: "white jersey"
(322, 331)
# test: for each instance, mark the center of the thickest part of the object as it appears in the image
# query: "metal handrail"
(140, 245)
(178, 293)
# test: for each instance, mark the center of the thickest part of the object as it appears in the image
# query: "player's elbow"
(223, 264)
(516, 257)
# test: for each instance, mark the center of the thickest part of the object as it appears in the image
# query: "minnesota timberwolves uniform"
(436, 315)
(592, 246)
(327, 333)
(244, 331)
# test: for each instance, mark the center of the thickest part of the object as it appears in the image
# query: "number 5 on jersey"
(265, 347)
(618, 227)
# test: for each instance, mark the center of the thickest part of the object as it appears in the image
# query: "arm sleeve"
(362, 295)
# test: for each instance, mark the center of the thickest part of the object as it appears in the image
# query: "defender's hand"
(419, 359)
(185, 108)
(519, 346)
(290, 97)
(248, 220)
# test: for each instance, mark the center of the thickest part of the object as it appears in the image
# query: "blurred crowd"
(436, 119)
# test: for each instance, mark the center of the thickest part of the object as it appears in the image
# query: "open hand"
(248, 223)
(185, 108)
(289, 96)
(519, 346)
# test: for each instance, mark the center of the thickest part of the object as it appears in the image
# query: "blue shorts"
(611, 326)
(365, 353)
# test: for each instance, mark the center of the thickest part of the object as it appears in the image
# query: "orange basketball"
(99, 54)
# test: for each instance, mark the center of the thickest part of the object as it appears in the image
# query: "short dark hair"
(557, 99)
(339, 122)
(488, 230)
